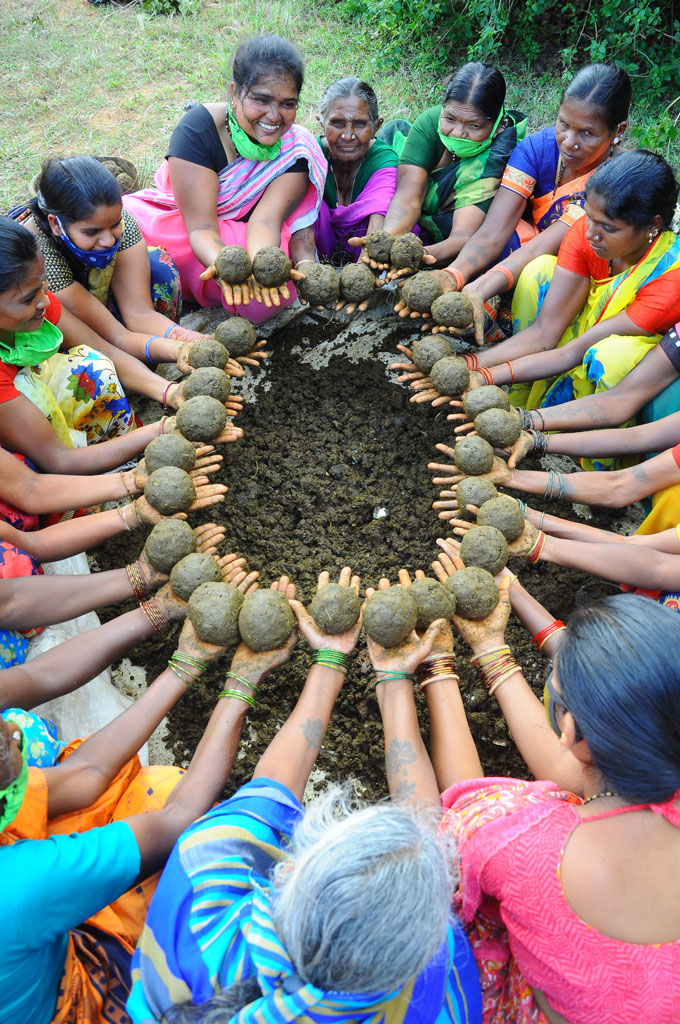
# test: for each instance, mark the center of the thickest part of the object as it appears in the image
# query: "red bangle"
(509, 276)
(539, 544)
(544, 635)
(512, 372)
(486, 374)
(165, 394)
(456, 275)
(154, 614)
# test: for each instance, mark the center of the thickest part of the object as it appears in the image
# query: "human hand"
(207, 495)
(232, 366)
(524, 544)
(270, 296)
(233, 572)
(413, 373)
(498, 474)
(315, 637)
(395, 275)
(522, 446)
(190, 645)
(352, 307)
(146, 515)
(409, 654)
(255, 357)
(477, 322)
(208, 537)
(443, 643)
(360, 243)
(255, 665)
(234, 294)
(483, 633)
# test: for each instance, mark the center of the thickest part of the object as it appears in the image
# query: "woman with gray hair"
(268, 914)
(362, 169)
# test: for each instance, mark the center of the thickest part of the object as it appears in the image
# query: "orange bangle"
(512, 372)
(507, 273)
(544, 635)
(486, 374)
(456, 275)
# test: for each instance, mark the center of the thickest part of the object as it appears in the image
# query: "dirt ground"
(324, 450)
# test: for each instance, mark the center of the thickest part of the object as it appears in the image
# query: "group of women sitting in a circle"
(533, 902)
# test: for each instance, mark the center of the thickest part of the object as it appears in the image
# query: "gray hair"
(219, 1008)
(345, 87)
(362, 901)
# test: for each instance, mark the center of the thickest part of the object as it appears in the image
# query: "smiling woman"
(239, 173)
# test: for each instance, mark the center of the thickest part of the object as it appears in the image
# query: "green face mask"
(12, 797)
(32, 347)
(247, 147)
(466, 148)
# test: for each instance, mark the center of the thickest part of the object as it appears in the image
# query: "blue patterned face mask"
(98, 258)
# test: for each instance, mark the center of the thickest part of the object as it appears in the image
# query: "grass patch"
(81, 78)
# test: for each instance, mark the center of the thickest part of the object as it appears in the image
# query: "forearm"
(303, 246)
(482, 249)
(533, 616)
(558, 527)
(98, 458)
(129, 347)
(610, 490)
(71, 536)
(454, 754)
(410, 775)
(291, 755)
(376, 222)
(531, 340)
(402, 214)
(620, 563)
(206, 243)
(69, 666)
(35, 601)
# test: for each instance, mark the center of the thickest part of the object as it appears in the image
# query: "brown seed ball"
(453, 309)
(473, 456)
(237, 335)
(169, 490)
(266, 620)
(389, 616)
(430, 350)
(485, 547)
(432, 600)
(214, 609)
(208, 352)
(407, 252)
(357, 282)
(126, 182)
(473, 490)
(169, 450)
(271, 267)
(207, 380)
(321, 285)
(201, 418)
(475, 591)
(193, 570)
(420, 291)
(335, 609)
(498, 427)
(450, 375)
(379, 246)
(489, 396)
(168, 542)
(504, 513)
(233, 264)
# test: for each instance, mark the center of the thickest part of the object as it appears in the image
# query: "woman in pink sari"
(362, 169)
(239, 173)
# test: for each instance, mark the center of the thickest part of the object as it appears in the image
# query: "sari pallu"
(241, 185)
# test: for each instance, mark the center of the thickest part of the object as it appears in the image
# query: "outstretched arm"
(407, 201)
(34, 601)
(486, 245)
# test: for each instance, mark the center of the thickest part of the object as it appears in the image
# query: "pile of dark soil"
(324, 452)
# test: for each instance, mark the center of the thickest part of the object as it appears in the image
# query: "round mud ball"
(407, 252)
(321, 285)
(489, 396)
(432, 600)
(473, 490)
(237, 335)
(335, 609)
(207, 380)
(201, 418)
(169, 490)
(266, 620)
(390, 615)
(430, 350)
(169, 450)
(168, 542)
(233, 264)
(379, 246)
(271, 267)
(504, 513)
(452, 310)
(208, 352)
(357, 282)
(498, 427)
(214, 609)
(193, 570)
(450, 375)
(125, 181)
(475, 592)
(420, 291)
(473, 456)
(485, 547)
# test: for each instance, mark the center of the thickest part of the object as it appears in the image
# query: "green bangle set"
(182, 664)
(247, 698)
(388, 676)
(331, 659)
(239, 679)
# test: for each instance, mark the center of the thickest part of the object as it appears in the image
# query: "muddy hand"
(271, 297)
(234, 295)
(522, 446)
(190, 645)
(406, 656)
(255, 357)
(315, 637)
(151, 576)
(208, 537)
(360, 243)
(207, 495)
(145, 514)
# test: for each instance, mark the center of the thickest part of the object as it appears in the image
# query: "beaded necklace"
(596, 796)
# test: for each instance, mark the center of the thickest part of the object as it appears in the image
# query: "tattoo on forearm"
(313, 732)
(399, 756)
(405, 790)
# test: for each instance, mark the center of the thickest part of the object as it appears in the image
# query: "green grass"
(81, 78)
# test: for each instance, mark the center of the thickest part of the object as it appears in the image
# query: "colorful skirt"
(15, 563)
(506, 996)
(166, 288)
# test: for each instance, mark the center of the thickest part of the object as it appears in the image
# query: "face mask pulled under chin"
(248, 148)
(466, 148)
(99, 259)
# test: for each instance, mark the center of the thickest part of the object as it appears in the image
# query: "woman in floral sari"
(239, 173)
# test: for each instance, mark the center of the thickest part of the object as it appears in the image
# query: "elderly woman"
(452, 160)
(274, 914)
(362, 169)
(238, 173)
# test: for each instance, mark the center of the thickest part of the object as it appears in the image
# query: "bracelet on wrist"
(139, 585)
(535, 553)
(121, 512)
(507, 273)
(541, 638)
(387, 676)
(456, 275)
(435, 670)
(471, 361)
(331, 659)
(123, 475)
(164, 399)
(486, 374)
(239, 695)
(154, 614)
(252, 687)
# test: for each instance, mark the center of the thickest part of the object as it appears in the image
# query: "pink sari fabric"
(335, 226)
(510, 836)
(241, 185)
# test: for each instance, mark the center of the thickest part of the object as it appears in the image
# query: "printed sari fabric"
(372, 191)
(210, 925)
(241, 185)
(15, 563)
(79, 970)
(469, 182)
(43, 745)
